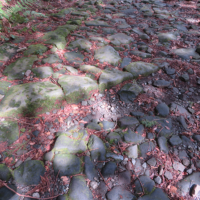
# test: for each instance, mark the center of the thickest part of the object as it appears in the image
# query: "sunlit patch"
(192, 20)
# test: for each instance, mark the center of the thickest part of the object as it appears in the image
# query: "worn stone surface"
(77, 88)
(25, 99)
(17, 69)
(107, 54)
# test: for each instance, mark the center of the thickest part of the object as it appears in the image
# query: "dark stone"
(126, 61)
(119, 191)
(109, 169)
(152, 162)
(6, 194)
(124, 178)
(97, 148)
(5, 172)
(145, 148)
(78, 189)
(147, 185)
(161, 83)
(125, 122)
(175, 140)
(162, 110)
(90, 170)
(157, 194)
(162, 143)
(132, 137)
(29, 173)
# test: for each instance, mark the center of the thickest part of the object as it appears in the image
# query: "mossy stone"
(29, 173)
(35, 49)
(5, 172)
(9, 131)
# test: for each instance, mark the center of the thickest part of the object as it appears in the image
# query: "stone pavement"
(108, 99)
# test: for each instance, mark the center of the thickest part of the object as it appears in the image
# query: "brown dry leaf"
(65, 180)
(173, 190)
(47, 133)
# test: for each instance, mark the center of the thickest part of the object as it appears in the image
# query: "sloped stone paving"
(103, 103)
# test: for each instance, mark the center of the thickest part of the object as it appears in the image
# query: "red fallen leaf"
(121, 197)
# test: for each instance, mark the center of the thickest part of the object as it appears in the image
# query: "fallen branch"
(22, 195)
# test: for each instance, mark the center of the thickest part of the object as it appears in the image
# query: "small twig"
(22, 195)
(104, 180)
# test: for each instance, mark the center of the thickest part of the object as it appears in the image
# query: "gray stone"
(178, 166)
(132, 137)
(117, 158)
(43, 72)
(78, 189)
(120, 38)
(97, 23)
(129, 92)
(82, 44)
(186, 53)
(107, 125)
(146, 147)
(162, 142)
(166, 37)
(109, 30)
(90, 69)
(157, 194)
(168, 175)
(77, 88)
(108, 169)
(185, 77)
(89, 169)
(17, 69)
(158, 180)
(107, 54)
(141, 68)
(74, 57)
(113, 137)
(119, 191)
(132, 151)
(112, 77)
(161, 83)
(141, 54)
(152, 162)
(66, 165)
(175, 140)
(97, 148)
(179, 110)
(185, 185)
(162, 110)
(52, 58)
(182, 121)
(124, 178)
(126, 121)
(29, 173)
(93, 126)
(27, 98)
(147, 184)
(126, 61)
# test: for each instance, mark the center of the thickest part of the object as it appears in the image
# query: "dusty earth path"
(101, 100)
